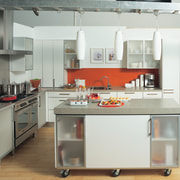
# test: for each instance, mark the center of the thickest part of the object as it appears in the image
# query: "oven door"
(34, 114)
(22, 120)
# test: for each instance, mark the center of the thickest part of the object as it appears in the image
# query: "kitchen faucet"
(108, 85)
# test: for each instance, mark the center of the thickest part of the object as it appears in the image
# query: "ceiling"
(91, 6)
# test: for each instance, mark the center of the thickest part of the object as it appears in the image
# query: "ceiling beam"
(90, 5)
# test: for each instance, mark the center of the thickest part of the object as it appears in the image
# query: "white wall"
(130, 20)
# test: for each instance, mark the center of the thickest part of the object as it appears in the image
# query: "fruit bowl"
(94, 98)
(111, 103)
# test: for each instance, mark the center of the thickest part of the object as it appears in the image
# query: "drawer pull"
(152, 94)
(168, 92)
(150, 127)
(62, 100)
(129, 93)
(67, 94)
(168, 89)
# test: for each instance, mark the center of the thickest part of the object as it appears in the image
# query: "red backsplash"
(117, 76)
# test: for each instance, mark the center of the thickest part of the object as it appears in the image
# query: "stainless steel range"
(25, 118)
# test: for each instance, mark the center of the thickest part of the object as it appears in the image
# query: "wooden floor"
(34, 160)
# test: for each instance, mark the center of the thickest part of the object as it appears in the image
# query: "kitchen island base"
(115, 172)
(116, 142)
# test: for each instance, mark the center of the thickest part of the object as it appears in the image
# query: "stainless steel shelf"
(15, 52)
(92, 6)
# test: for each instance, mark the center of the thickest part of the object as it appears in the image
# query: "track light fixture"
(36, 11)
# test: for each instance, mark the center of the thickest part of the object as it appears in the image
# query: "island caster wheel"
(65, 172)
(116, 172)
(34, 135)
(167, 172)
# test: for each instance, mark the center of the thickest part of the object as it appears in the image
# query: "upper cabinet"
(48, 62)
(70, 56)
(22, 62)
(139, 55)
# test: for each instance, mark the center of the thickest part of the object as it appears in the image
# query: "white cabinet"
(70, 56)
(22, 62)
(169, 74)
(165, 141)
(117, 141)
(139, 55)
(152, 95)
(6, 132)
(89, 142)
(42, 109)
(131, 95)
(53, 100)
(48, 62)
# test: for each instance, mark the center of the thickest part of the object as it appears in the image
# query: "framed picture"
(97, 55)
(110, 56)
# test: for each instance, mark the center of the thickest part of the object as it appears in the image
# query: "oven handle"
(26, 108)
(39, 101)
(22, 110)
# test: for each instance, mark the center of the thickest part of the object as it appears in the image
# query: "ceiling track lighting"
(118, 44)
(18, 8)
(58, 9)
(80, 42)
(36, 11)
(156, 41)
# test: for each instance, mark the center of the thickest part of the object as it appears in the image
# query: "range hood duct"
(6, 34)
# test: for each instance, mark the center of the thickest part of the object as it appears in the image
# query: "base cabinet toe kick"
(117, 142)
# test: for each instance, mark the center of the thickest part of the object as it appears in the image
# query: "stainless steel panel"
(86, 5)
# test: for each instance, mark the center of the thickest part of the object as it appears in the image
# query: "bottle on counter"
(141, 80)
(74, 131)
(72, 63)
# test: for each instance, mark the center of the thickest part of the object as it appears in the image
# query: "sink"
(99, 88)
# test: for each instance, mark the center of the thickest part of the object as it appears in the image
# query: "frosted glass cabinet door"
(164, 148)
(115, 141)
(70, 141)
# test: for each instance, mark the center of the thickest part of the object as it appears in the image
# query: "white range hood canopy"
(92, 6)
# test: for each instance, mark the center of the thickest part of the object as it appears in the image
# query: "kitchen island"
(143, 133)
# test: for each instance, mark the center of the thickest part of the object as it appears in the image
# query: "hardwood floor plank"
(34, 160)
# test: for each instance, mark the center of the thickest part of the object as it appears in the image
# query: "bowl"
(69, 86)
(35, 82)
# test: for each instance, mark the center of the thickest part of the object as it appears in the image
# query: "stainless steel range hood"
(91, 5)
(6, 34)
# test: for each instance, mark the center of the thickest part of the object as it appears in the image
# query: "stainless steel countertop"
(134, 106)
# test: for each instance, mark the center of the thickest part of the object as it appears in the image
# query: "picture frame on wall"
(97, 55)
(110, 56)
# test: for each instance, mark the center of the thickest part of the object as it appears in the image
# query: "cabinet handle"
(39, 101)
(168, 89)
(64, 94)
(104, 93)
(152, 94)
(62, 100)
(168, 92)
(150, 127)
(129, 93)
